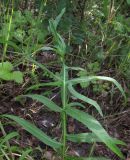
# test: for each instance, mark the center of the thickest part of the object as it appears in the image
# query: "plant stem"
(64, 125)
(8, 33)
(64, 136)
(7, 142)
(92, 149)
(5, 154)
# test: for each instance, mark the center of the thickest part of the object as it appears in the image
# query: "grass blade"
(104, 78)
(25, 154)
(44, 100)
(35, 131)
(8, 137)
(76, 104)
(89, 138)
(95, 127)
(36, 86)
(76, 68)
(84, 98)
(83, 137)
(58, 18)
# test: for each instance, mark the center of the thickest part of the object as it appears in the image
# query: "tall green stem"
(64, 101)
(8, 33)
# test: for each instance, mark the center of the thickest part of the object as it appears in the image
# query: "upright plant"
(8, 32)
(66, 85)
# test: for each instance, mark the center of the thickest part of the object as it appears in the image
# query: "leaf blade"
(8, 137)
(90, 78)
(95, 127)
(44, 100)
(89, 138)
(83, 137)
(36, 86)
(34, 131)
(76, 104)
(84, 98)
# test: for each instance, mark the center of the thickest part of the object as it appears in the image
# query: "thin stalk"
(5, 154)
(8, 34)
(64, 120)
(7, 143)
(92, 149)
(111, 11)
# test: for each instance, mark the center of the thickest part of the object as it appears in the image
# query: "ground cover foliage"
(64, 73)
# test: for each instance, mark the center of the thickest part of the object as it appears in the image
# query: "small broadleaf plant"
(7, 73)
(67, 86)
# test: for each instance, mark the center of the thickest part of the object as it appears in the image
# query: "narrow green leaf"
(35, 131)
(76, 68)
(60, 46)
(95, 127)
(25, 154)
(34, 87)
(90, 78)
(54, 23)
(76, 104)
(58, 18)
(8, 137)
(47, 49)
(52, 28)
(46, 101)
(89, 138)
(84, 98)
(83, 137)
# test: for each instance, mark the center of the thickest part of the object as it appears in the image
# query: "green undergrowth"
(89, 39)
